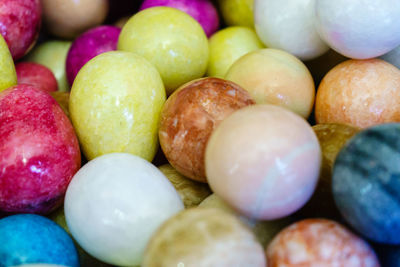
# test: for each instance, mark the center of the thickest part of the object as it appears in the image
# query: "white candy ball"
(359, 29)
(115, 203)
(289, 25)
(393, 57)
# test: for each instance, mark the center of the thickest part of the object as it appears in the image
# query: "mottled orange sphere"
(359, 92)
(190, 115)
(319, 242)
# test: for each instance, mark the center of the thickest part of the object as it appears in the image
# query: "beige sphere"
(200, 237)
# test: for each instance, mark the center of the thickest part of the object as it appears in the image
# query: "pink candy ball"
(201, 10)
(36, 75)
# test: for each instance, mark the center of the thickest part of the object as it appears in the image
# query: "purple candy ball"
(88, 45)
(201, 10)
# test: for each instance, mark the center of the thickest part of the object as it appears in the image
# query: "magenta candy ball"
(39, 151)
(201, 10)
(88, 45)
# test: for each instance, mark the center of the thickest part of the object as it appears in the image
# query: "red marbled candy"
(36, 75)
(39, 151)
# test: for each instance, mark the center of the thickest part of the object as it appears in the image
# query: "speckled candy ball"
(29, 239)
(361, 93)
(88, 45)
(115, 203)
(264, 161)
(319, 242)
(8, 76)
(237, 12)
(190, 115)
(36, 75)
(201, 10)
(201, 237)
(374, 26)
(366, 184)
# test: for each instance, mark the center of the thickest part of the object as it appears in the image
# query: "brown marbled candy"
(190, 115)
(319, 242)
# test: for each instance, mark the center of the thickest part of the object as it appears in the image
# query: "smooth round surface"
(69, 18)
(62, 99)
(227, 46)
(200, 237)
(264, 161)
(171, 40)
(190, 115)
(289, 26)
(237, 12)
(374, 26)
(20, 22)
(191, 192)
(53, 54)
(8, 76)
(319, 242)
(275, 77)
(366, 184)
(361, 93)
(29, 238)
(201, 10)
(393, 57)
(39, 151)
(117, 109)
(115, 203)
(88, 45)
(36, 75)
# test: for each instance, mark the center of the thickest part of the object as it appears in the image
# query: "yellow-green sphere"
(8, 76)
(171, 40)
(115, 104)
(237, 12)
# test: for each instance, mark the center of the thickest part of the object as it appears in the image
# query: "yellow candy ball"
(237, 12)
(8, 76)
(170, 39)
(115, 104)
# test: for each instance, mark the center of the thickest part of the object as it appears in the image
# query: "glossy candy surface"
(237, 12)
(8, 76)
(36, 75)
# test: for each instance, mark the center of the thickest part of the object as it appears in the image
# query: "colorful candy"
(8, 76)
(36, 75)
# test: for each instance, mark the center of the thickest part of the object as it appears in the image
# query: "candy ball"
(53, 54)
(117, 109)
(39, 151)
(36, 75)
(8, 76)
(275, 77)
(203, 237)
(191, 192)
(393, 57)
(289, 26)
(28, 238)
(115, 203)
(228, 45)
(366, 185)
(69, 18)
(359, 29)
(20, 24)
(319, 242)
(90, 44)
(201, 10)
(237, 12)
(171, 40)
(190, 115)
(264, 161)
(361, 93)
(62, 99)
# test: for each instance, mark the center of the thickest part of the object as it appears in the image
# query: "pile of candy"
(200, 133)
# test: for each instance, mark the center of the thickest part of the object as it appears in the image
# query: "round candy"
(201, 10)
(69, 18)
(319, 242)
(20, 24)
(203, 237)
(39, 151)
(289, 26)
(359, 29)
(275, 77)
(393, 57)
(88, 45)
(264, 161)
(115, 203)
(171, 40)
(227, 46)
(191, 192)
(117, 109)
(36, 75)
(361, 93)
(8, 76)
(237, 12)
(62, 99)
(30, 238)
(190, 115)
(53, 54)
(366, 183)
